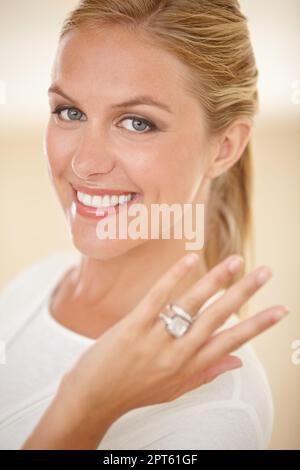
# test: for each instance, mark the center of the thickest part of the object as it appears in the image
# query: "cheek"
(176, 169)
(59, 147)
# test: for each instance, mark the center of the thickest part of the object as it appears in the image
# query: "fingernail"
(280, 313)
(234, 264)
(264, 275)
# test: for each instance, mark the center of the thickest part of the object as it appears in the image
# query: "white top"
(235, 411)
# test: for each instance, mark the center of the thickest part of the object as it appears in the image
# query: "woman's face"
(94, 141)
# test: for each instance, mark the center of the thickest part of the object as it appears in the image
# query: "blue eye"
(140, 123)
(69, 114)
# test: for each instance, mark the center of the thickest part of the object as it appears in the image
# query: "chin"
(89, 245)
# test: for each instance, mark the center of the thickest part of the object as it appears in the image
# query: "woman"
(91, 364)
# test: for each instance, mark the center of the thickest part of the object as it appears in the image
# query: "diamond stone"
(178, 326)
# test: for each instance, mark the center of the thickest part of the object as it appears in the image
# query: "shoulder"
(37, 270)
(22, 294)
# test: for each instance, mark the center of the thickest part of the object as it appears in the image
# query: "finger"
(227, 341)
(210, 283)
(224, 364)
(231, 301)
(160, 293)
(195, 379)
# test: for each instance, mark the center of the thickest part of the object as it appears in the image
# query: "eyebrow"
(135, 101)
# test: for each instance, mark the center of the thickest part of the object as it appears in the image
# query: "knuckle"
(247, 290)
(180, 353)
(154, 296)
(233, 340)
(248, 287)
(257, 326)
(166, 364)
(215, 279)
(231, 303)
(127, 336)
(238, 294)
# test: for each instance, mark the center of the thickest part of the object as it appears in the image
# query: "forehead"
(114, 60)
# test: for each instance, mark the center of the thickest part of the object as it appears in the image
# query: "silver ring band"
(181, 312)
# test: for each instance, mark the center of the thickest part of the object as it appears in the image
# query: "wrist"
(82, 423)
(69, 422)
(91, 414)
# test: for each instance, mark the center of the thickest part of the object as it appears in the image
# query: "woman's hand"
(138, 363)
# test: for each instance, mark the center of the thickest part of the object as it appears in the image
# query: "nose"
(93, 155)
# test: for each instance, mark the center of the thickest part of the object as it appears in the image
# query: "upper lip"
(100, 192)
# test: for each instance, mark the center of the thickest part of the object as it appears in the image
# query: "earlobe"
(231, 146)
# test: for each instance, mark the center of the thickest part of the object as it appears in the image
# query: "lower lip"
(91, 212)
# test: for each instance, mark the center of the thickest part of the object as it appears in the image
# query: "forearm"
(66, 425)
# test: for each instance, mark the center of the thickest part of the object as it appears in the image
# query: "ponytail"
(229, 224)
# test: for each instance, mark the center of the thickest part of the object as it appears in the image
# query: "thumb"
(224, 364)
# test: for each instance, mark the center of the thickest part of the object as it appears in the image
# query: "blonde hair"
(212, 38)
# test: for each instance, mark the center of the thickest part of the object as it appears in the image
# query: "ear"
(230, 147)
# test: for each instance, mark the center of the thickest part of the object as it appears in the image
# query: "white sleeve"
(22, 295)
(243, 421)
(215, 426)
(234, 411)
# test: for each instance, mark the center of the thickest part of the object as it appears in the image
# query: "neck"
(115, 286)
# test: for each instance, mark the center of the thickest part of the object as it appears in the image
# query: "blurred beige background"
(32, 223)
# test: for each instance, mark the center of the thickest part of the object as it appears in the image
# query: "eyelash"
(151, 125)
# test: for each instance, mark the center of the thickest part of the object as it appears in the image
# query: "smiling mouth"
(104, 201)
(100, 205)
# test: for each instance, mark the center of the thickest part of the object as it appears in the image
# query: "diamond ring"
(178, 324)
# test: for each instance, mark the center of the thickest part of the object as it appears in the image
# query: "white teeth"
(122, 199)
(103, 201)
(96, 201)
(114, 200)
(80, 196)
(87, 199)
